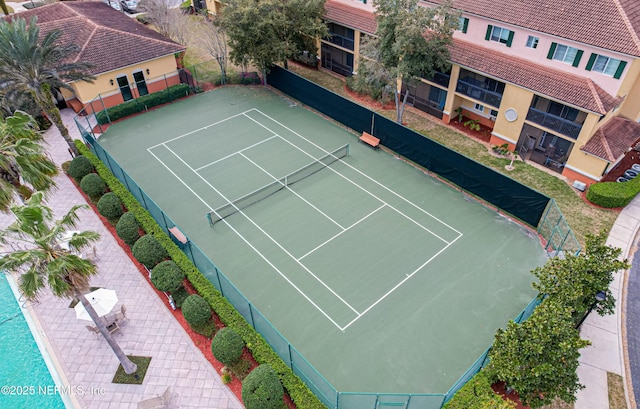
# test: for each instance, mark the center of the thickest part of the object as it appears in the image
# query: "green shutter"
(489, 30)
(510, 39)
(618, 73)
(552, 50)
(592, 60)
(576, 60)
(465, 25)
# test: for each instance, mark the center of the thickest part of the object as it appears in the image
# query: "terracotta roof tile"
(578, 91)
(108, 39)
(350, 16)
(613, 139)
(609, 24)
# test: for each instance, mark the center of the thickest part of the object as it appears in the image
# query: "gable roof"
(108, 39)
(613, 139)
(362, 19)
(572, 89)
(609, 24)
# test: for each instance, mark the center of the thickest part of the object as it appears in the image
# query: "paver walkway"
(85, 359)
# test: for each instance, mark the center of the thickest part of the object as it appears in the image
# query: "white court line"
(289, 189)
(399, 284)
(199, 129)
(263, 232)
(232, 154)
(245, 240)
(331, 238)
(362, 188)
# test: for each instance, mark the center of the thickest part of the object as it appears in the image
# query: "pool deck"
(84, 360)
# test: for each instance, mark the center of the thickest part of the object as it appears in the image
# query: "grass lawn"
(582, 217)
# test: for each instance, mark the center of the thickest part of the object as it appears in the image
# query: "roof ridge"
(168, 41)
(605, 145)
(627, 23)
(596, 94)
(89, 37)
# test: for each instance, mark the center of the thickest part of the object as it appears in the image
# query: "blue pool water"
(25, 380)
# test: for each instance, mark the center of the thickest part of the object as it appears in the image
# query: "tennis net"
(264, 192)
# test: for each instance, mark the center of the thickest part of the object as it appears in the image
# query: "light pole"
(600, 296)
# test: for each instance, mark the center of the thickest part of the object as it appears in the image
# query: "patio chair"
(121, 315)
(93, 330)
(91, 254)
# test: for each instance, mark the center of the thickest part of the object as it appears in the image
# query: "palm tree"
(42, 262)
(33, 67)
(22, 158)
(3, 6)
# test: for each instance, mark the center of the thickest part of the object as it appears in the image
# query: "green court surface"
(384, 278)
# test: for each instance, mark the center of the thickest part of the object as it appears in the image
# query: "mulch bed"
(499, 388)
(200, 341)
(483, 135)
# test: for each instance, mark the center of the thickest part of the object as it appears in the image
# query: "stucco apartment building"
(556, 80)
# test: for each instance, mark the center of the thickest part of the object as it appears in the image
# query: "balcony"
(340, 41)
(440, 79)
(479, 93)
(555, 123)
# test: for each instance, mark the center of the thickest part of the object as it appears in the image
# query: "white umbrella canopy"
(102, 300)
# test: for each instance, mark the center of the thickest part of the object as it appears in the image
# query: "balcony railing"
(479, 93)
(561, 125)
(341, 41)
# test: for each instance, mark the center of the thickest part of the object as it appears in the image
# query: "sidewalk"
(606, 354)
(85, 360)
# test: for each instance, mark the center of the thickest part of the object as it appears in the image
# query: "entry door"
(141, 84)
(125, 88)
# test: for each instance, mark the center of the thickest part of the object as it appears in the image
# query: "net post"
(209, 218)
(347, 151)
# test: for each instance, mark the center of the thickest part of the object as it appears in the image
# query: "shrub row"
(613, 194)
(142, 103)
(477, 394)
(260, 349)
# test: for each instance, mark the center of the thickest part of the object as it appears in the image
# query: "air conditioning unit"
(581, 186)
(493, 117)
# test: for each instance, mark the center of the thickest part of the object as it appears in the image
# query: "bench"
(178, 235)
(369, 139)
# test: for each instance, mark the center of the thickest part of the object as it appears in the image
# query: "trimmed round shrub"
(128, 228)
(613, 194)
(167, 276)
(93, 185)
(196, 310)
(149, 251)
(110, 206)
(227, 346)
(262, 389)
(80, 167)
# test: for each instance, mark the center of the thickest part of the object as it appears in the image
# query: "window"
(564, 53)
(606, 65)
(499, 34)
(532, 42)
(125, 88)
(463, 24)
(141, 84)
(479, 107)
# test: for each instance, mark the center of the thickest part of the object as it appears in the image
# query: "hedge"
(167, 276)
(613, 194)
(477, 394)
(260, 349)
(148, 250)
(143, 103)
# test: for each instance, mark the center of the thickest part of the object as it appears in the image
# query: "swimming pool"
(25, 380)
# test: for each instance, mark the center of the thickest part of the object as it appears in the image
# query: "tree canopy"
(33, 67)
(265, 32)
(411, 41)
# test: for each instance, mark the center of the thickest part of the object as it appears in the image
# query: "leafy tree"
(263, 32)
(22, 158)
(34, 67)
(412, 41)
(215, 43)
(42, 262)
(539, 357)
(575, 280)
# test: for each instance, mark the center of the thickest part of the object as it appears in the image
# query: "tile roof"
(609, 24)
(613, 139)
(350, 16)
(572, 89)
(108, 39)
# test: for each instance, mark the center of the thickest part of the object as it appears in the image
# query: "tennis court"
(386, 279)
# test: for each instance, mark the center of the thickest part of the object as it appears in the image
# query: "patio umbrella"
(103, 301)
